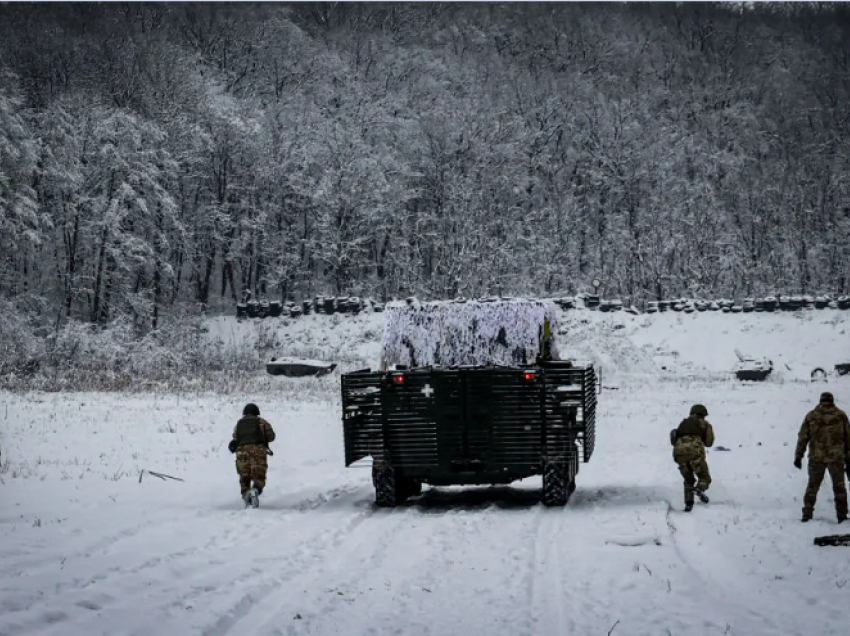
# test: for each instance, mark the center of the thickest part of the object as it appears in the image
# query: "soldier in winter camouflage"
(825, 431)
(251, 437)
(691, 438)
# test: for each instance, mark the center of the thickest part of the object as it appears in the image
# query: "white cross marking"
(427, 390)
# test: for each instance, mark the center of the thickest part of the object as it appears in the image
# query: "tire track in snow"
(713, 577)
(189, 571)
(379, 566)
(262, 595)
(547, 590)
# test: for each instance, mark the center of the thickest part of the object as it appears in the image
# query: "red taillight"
(398, 379)
(530, 377)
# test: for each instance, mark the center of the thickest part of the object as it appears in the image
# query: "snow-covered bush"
(21, 348)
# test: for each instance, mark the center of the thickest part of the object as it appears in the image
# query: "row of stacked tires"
(590, 301)
(747, 305)
(319, 305)
(354, 305)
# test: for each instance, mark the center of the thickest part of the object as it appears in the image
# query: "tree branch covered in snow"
(163, 154)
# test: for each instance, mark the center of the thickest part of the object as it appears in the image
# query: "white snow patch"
(85, 548)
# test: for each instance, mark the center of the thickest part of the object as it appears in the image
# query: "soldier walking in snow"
(690, 439)
(825, 431)
(251, 437)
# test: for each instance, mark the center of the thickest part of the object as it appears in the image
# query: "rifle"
(270, 452)
(846, 453)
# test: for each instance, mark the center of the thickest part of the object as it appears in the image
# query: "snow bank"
(702, 345)
(670, 345)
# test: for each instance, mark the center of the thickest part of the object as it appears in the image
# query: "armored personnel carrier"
(470, 393)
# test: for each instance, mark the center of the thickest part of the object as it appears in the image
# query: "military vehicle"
(470, 393)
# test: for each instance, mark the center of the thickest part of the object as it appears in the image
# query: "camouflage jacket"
(692, 436)
(259, 433)
(826, 432)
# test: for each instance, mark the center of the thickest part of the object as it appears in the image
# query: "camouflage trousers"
(252, 464)
(839, 491)
(695, 473)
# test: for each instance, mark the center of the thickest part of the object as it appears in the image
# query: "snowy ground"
(85, 548)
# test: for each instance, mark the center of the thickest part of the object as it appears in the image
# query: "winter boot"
(689, 506)
(842, 518)
(253, 498)
(701, 494)
(807, 516)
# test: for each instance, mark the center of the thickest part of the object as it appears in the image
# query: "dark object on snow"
(231, 446)
(470, 425)
(753, 370)
(306, 307)
(843, 302)
(241, 311)
(329, 305)
(721, 448)
(591, 301)
(843, 368)
(752, 375)
(818, 373)
(567, 302)
(162, 476)
(833, 539)
(253, 308)
(294, 368)
(275, 309)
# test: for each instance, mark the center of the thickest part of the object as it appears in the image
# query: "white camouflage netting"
(469, 333)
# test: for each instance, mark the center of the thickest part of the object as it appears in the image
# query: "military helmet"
(251, 409)
(699, 409)
(827, 398)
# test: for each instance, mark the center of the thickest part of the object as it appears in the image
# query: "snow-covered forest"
(161, 156)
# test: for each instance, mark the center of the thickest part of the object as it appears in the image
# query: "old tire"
(386, 490)
(556, 490)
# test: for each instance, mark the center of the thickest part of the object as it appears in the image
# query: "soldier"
(251, 437)
(825, 431)
(691, 438)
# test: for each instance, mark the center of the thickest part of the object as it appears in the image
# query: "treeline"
(155, 154)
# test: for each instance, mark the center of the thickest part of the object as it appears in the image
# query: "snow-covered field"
(86, 548)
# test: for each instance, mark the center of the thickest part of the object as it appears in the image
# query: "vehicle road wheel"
(556, 490)
(386, 492)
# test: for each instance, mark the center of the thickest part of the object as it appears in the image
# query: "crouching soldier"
(825, 432)
(690, 440)
(251, 437)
